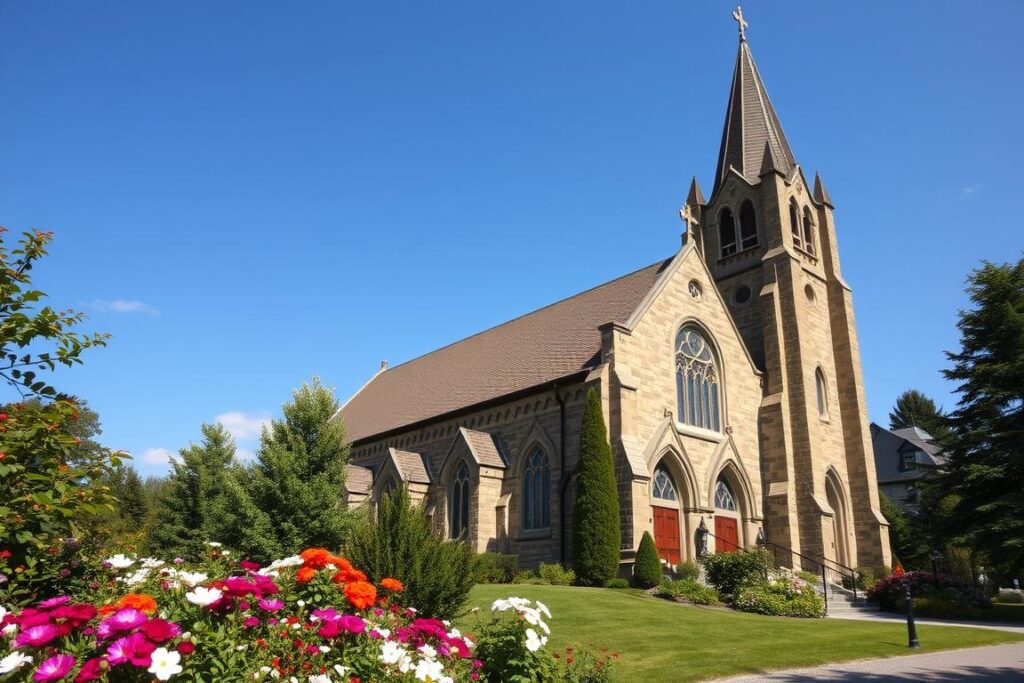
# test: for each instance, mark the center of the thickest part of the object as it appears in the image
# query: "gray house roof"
(891, 446)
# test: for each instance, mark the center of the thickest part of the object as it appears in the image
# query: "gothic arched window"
(748, 225)
(822, 394)
(808, 231)
(663, 487)
(537, 491)
(727, 232)
(724, 499)
(459, 502)
(696, 380)
(794, 223)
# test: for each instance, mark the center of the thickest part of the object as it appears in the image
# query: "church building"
(729, 374)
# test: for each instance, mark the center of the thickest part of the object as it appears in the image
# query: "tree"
(985, 448)
(596, 524)
(914, 409)
(905, 538)
(132, 503)
(298, 479)
(647, 571)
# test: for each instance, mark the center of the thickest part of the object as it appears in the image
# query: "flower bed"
(312, 617)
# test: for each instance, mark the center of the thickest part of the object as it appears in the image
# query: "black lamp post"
(702, 538)
(911, 625)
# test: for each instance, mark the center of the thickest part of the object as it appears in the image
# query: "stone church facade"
(729, 374)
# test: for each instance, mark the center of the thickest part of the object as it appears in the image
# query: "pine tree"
(298, 479)
(985, 448)
(596, 524)
(914, 409)
(132, 505)
(647, 570)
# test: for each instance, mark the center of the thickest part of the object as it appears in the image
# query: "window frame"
(459, 502)
(536, 471)
(698, 379)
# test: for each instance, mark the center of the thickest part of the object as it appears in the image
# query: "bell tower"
(769, 240)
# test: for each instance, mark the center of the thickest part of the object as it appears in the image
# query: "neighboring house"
(729, 374)
(902, 458)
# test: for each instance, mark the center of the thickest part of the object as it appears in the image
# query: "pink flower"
(54, 602)
(249, 565)
(125, 619)
(329, 614)
(160, 630)
(90, 671)
(352, 624)
(37, 636)
(134, 648)
(330, 629)
(54, 668)
(251, 622)
(271, 605)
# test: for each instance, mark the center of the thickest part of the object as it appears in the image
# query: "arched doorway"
(833, 493)
(665, 511)
(727, 518)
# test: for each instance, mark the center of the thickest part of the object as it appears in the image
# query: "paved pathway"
(886, 616)
(996, 663)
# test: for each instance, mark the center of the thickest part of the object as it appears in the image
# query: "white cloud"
(244, 454)
(969, 191)
(244, 426)
(123, 306)
(157, 456)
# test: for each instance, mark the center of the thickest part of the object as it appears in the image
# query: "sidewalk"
(996, 663)
(888, 616)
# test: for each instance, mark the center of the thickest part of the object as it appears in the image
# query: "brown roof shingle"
(547, 344)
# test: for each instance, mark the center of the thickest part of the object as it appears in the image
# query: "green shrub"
(525, 576)
(617, 583)
(1009, 598)
(596, 529)
(496, 568)
(865, 578)
(810, 577)
(400, 543)
(688, 570)
(945, 607)
(780, 597)
(647, 570)
(728, 572)
(690, 591)
(555, 575)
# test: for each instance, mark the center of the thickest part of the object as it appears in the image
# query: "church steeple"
(750, 123)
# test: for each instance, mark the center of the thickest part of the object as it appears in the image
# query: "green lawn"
(663, 641)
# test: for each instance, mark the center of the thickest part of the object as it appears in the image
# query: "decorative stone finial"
(738, 16)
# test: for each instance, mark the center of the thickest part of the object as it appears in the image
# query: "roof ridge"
(660, 262)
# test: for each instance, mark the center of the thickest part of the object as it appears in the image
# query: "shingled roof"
(553, 342)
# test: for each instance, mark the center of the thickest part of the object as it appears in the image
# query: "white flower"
(152, 563)
(544, 608)
(3, 612)
(204, 596)
(10, 630)
(300, 603)
(319, 678)
(191, 578)
(427, 651)
(119, 561)
(164, 663)
(296, 627)
(429, 670)
(135, 577)
(531, 616)
(544, 626)
(392, 652)
(13, 662)
(341, 670)
(324, 649)
(533, 641)
(226, 553)
(384, 632)
(500, 606)
(214, 544)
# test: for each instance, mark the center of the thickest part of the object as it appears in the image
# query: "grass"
(662, 641)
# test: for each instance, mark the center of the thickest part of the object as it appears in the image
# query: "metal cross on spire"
(738, 16)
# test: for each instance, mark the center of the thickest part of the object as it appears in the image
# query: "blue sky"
(248, 193)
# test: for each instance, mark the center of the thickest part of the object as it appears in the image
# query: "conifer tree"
(914, 409)
(596, 524)
(132, 504)
(298, 479)
(647, 570)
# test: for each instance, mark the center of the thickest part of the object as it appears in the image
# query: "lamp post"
(913, 643)
(702, 539)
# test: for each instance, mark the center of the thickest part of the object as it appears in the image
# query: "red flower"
(186, 648)
(4, 554)
(160, 630)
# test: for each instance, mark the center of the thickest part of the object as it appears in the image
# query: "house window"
(724, 499)
(909, 461)
(696, 380)
(663, 488)
(822, 393)
(727, 232)
(808, 231)
(459, 502)
(748, 225)
(537, 491)
(794, 224)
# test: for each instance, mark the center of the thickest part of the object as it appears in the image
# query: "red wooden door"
(728, 537)
(666, 533)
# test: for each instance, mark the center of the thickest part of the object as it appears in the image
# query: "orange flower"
(107, 610)
(348, 576)
(393, 585)
(339, 562)
(305, 574)
(139, 601)
(317, 558)
(360, 594)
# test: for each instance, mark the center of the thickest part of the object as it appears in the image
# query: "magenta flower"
(329, 614)
(125, 619)
(54, 668)
(251, 622)
(90, 671)
(271, 605)
(37, 636)
(352, 624)
(249, 565)
(54, 602)
(160, 630)
(134, 648)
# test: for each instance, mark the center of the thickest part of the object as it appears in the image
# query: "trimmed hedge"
(780, 597)
(690, 591)
(555, 575)
(617, 583)
(647, 570)
(1009, 598)
(688, 570)
(496, 568)
(729, 572)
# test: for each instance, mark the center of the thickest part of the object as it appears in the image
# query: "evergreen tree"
(905, 537)
(596, 524)
(985, 449)
(647, 571)
(132, 503)
(914, 409)
(190, 511)
(298, 479)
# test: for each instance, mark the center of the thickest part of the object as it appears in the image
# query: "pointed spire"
(768, 162)
(750, 124)
(821, 194)
(695, 197)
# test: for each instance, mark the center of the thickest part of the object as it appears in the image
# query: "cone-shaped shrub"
(647, 571)
(596, 533)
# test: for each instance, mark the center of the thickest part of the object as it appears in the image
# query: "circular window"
(811, 296)
(742, 295)
(695, 289)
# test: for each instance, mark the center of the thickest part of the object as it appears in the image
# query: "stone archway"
(838, 550)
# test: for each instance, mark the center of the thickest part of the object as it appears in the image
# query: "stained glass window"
(460, 502)
(723, 497)
(696, 381)
(537, 491)
(664, 488)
